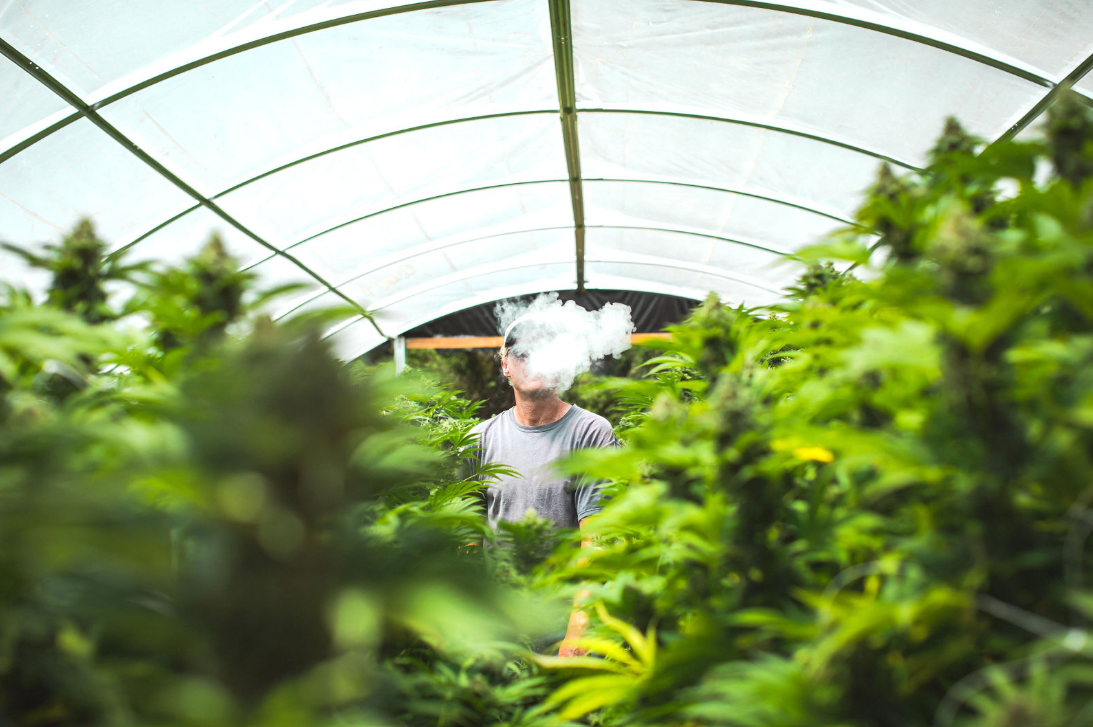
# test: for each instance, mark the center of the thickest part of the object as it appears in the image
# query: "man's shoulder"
(592, 425)
(480, 433)
(591, 418)
(481, 428)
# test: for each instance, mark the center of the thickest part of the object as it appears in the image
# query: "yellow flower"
(816, 454)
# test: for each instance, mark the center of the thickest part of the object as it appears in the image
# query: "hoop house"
(415, 159)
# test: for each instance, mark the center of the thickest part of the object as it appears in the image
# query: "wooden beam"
(495, 341)
(455, 342)
(639, 337)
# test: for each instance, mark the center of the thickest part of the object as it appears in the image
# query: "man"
(530, 438)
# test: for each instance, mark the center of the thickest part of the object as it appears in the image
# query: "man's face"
(514, 367)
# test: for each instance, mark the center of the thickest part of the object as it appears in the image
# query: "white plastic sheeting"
(823, 176)
(755, 221)
(478, 217)
(77, 171)
(317, 91)
(29, 107)
(787, 70)
(407, 158)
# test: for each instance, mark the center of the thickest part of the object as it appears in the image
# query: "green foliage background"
(476, 375)
(868, 506)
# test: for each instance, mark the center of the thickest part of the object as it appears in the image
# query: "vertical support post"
(561, 27)
(399, 347)
(580, 259)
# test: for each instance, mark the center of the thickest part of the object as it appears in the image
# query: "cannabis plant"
(870, 508)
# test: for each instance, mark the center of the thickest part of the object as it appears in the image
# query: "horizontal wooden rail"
(494, 341)
(455, 342)
(639, 337)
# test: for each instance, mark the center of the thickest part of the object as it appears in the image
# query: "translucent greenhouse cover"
(414, 159)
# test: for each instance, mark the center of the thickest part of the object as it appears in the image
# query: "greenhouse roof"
(417, 159)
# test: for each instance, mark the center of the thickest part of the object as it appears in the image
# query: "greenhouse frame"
(415, 159)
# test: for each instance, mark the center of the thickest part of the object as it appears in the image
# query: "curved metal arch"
(487, 270)
(465, 275)
(733, 190)
(35, 138)
(858, 20)
(356, 352)
(285, 35)
(1035, 112)
(93, 116)
(341, 147)
(129, 245)
(528, 289)
(727, 190)
(227, 53)
(915, 32)
(713, 272)
(635, 284)
(620, 180)
(695, 233)
(467, 302)
(739, 121)
(377, 137)
(800, 8)
(387, 262)
(423, 201)
(340, 225)
(702, 117)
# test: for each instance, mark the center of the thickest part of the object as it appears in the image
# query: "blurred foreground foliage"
(205, 518)
(868, 506)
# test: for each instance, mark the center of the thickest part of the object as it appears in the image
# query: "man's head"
(526, 340)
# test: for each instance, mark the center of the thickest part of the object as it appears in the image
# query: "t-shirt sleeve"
(588, 494)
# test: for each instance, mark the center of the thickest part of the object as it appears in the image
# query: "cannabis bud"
(953, 140)
(887, 212)
(1069, 131)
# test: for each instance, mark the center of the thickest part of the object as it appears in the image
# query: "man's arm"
(587, 499)
(578, 618)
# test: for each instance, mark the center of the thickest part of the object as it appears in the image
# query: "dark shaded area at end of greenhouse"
(649, 311)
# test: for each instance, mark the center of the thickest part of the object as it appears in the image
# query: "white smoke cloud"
(561, 341)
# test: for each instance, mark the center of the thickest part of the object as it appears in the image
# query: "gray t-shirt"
(532, 451)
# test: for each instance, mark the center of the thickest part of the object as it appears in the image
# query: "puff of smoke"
(560, 341)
